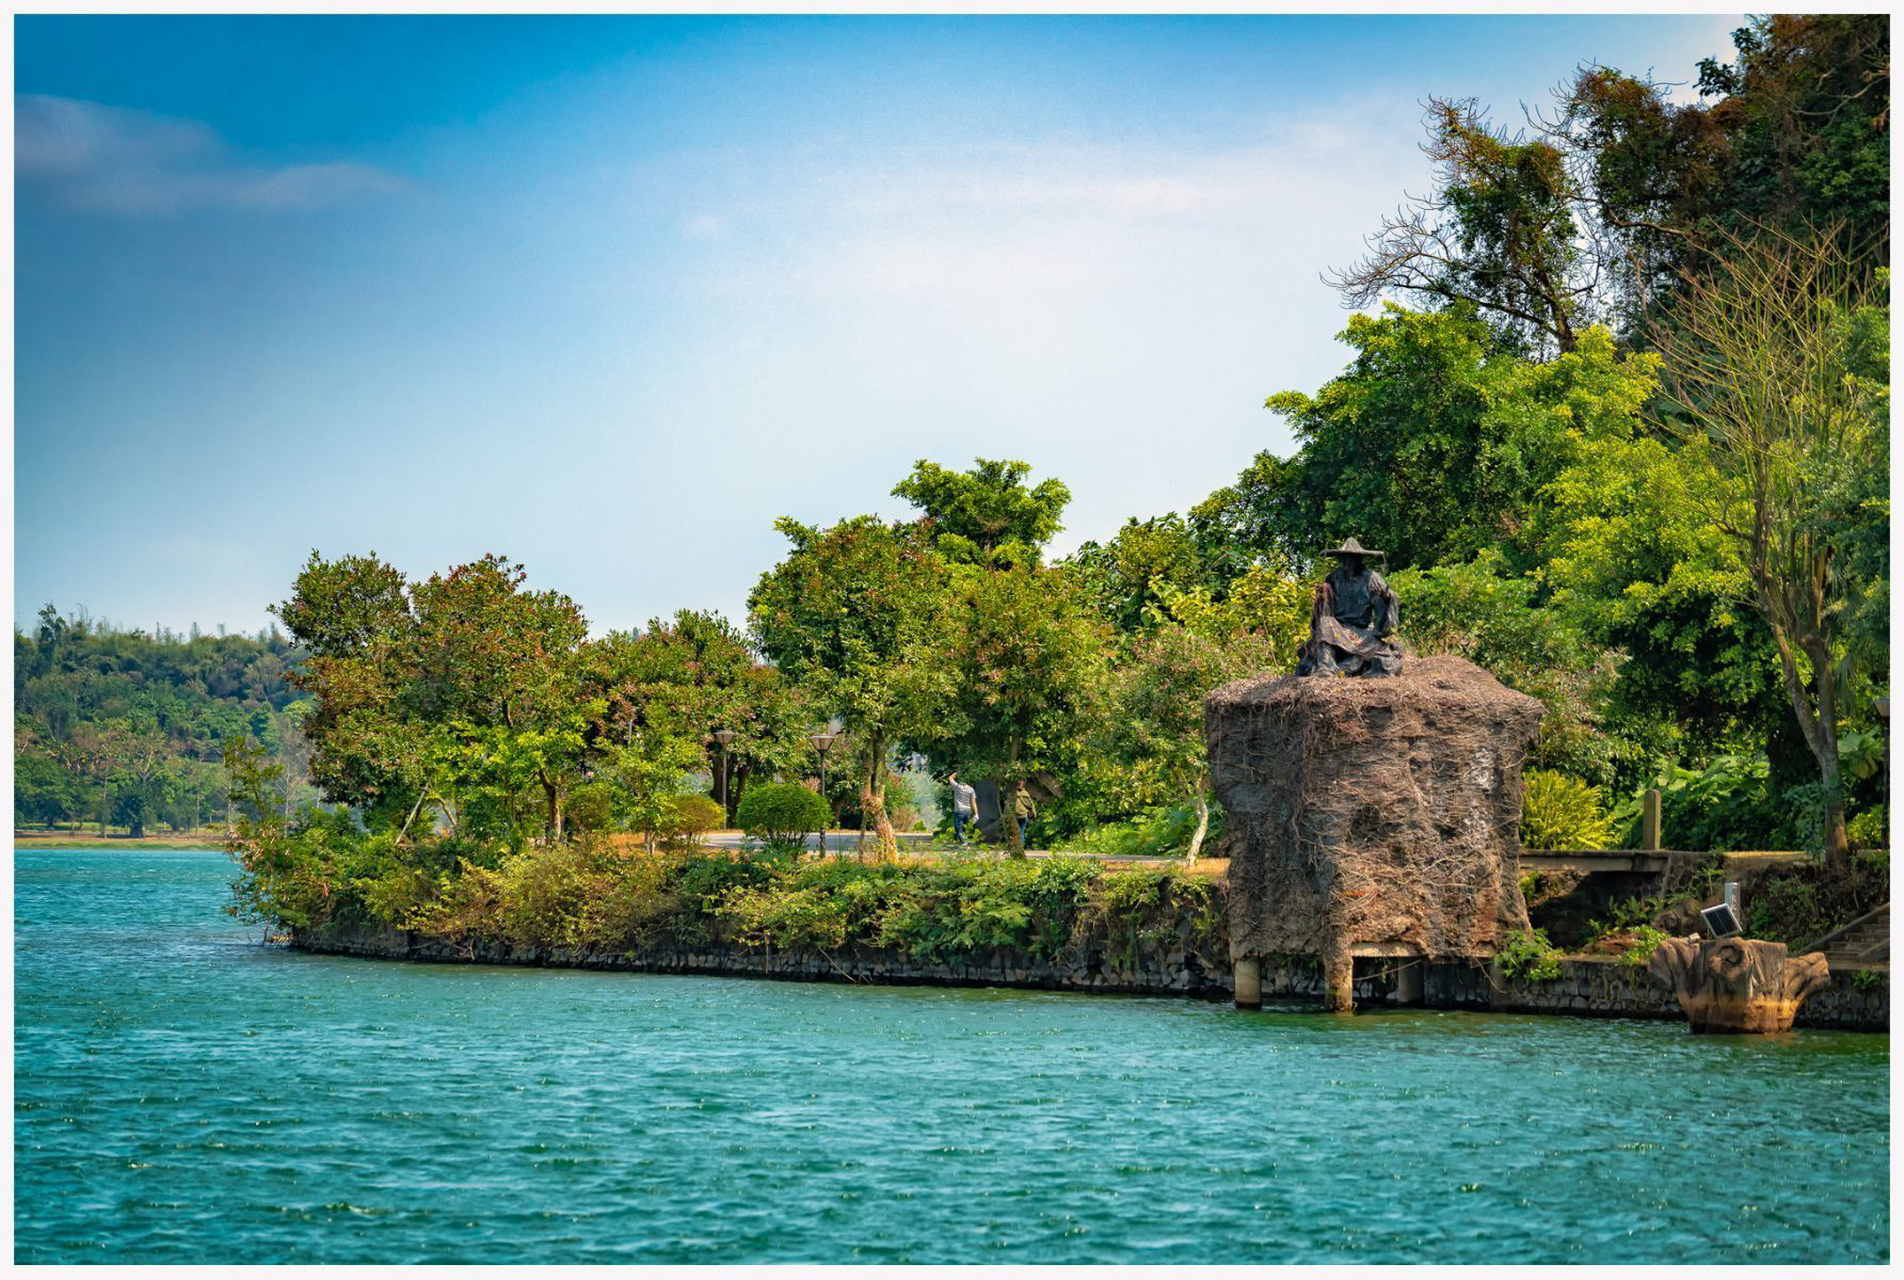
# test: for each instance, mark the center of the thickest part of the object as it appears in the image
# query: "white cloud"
(115, 160)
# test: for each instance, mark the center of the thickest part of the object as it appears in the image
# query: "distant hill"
(132, 725)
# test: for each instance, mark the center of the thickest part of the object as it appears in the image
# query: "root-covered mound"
(1373, 811)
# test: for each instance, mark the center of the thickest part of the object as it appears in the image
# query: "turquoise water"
(185, 1095)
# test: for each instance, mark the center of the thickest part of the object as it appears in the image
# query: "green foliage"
(127, 727)
(1558, 812)
(1160, 831)
(1530, 957)
(1798, 905)
(1646, 940)
(985, 516)
(845, 617)
(689, 817)
(1434, 444)
(1496, 233)
(1484, 613)
(1009, 674)
(694, 676)
(1871, 829)
(782, 814)
(1127, 577)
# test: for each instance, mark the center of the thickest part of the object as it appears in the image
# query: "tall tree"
(464, 681)
(1156, 724)
(986, 515)
(697, 675)
(1008, 673)
(1433, 445)
(1770, 366)
(843, 616)
(1497, 231)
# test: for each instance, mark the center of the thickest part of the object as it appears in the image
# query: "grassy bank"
(606, 896)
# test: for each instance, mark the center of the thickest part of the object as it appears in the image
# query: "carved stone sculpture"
(1737, 984)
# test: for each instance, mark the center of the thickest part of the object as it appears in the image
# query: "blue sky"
(608, 295)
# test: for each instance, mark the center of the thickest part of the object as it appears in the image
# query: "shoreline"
(1588, 987)
(213, 843)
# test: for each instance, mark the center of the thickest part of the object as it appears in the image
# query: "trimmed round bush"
(692, 816)
(781, 813)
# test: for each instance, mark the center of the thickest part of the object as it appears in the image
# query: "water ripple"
(183, 1095)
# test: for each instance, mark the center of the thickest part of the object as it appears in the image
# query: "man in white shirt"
(964, 806)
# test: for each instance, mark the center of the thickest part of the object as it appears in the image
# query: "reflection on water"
(184, 1095)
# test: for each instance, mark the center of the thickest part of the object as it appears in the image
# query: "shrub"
(1530, 956)
(1558, 812)
(1870, 829)
(1646, 940)
(1162, 831)
(781, 814)
(687, 818)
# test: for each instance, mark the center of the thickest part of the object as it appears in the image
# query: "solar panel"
(1721, 921)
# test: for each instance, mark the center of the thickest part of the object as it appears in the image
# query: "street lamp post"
(724, 736)
(821, 741)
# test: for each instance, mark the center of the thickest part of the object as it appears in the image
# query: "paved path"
(848, 842)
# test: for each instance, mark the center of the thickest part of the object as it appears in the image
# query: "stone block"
(1372, 811)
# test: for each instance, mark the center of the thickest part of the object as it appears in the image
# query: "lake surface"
(183, 1094)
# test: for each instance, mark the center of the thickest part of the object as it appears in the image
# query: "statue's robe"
(1348, 634)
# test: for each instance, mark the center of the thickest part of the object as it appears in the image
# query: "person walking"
(964, 806)
(1026, 809)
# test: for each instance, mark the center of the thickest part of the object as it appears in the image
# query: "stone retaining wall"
(1153, 971)
(1586, 987)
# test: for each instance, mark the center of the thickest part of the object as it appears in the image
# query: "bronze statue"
(1354, 615)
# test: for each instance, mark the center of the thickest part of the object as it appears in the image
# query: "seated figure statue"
(1355, 613)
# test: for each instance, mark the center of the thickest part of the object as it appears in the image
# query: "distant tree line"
(127, 729)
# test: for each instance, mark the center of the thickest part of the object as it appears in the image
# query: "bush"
(1558, 812)
(1530, 956)
(1646, 940)
(1163, 831)
(781, 814)
(688, 818)
(1870, 829)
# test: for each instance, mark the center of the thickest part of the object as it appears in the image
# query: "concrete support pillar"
(1249, 983)
(1408, 982)
(1338, 981)
(1649, 819)
(1497, 984)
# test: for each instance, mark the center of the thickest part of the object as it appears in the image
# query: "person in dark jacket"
(1025, 808)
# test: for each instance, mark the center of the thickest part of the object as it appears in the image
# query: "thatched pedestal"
(1737, 984)
(1372, 817)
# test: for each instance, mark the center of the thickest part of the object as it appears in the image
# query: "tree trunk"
(553, 823)
(736, 788)
(1008, 803)
(1825, 746)
(1203, 824)
(105, 806)
(873, 799)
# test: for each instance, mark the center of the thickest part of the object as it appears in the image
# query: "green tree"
(1128, 575)
(1156, 724)
(1763, 365)
(462, 690)
(844, 616)
(1433, 445)
(1009, 673)
(1496, 232)
(697, 675)
(986, 515)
